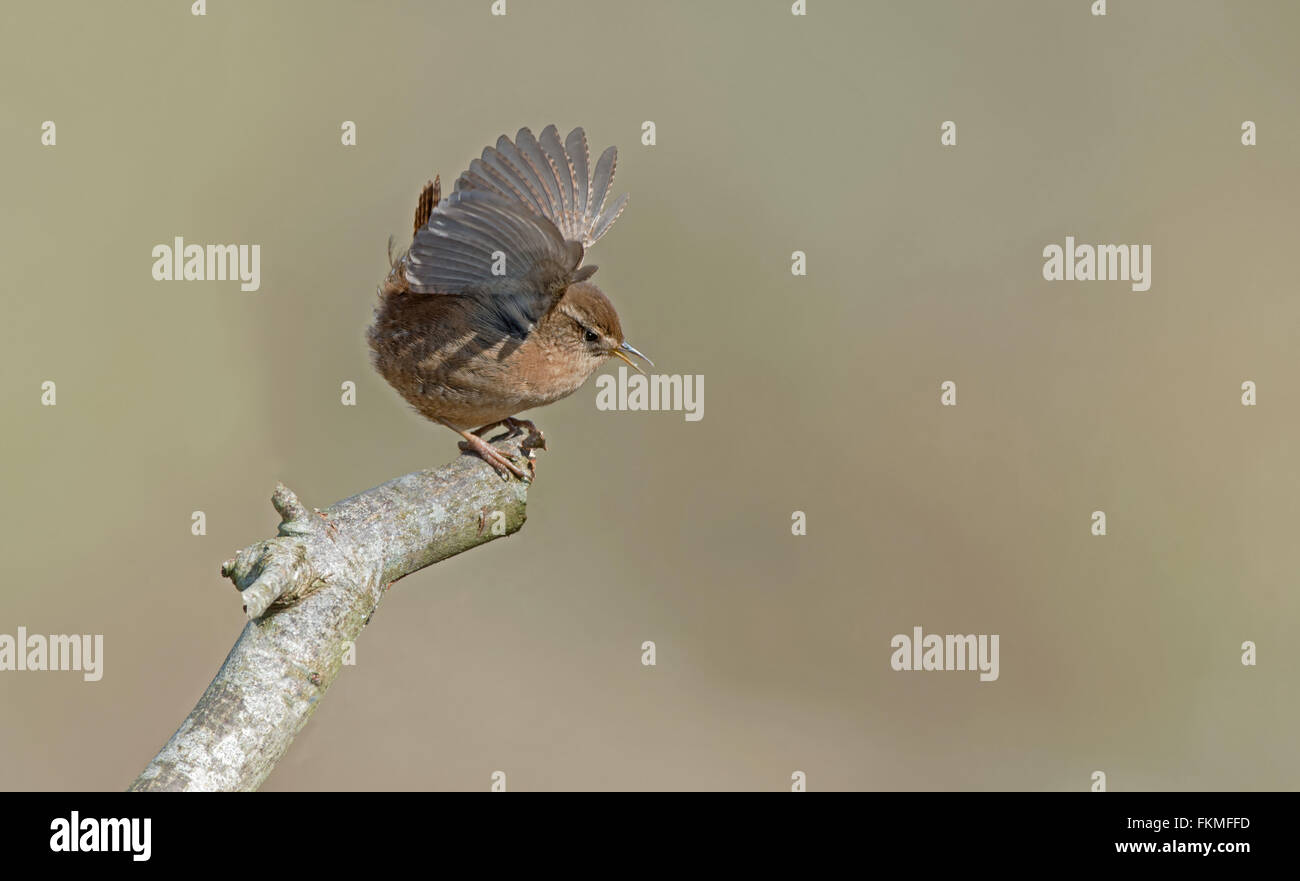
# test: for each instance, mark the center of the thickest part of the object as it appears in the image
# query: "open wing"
(552, 179)
(517, 226)
(475, 242)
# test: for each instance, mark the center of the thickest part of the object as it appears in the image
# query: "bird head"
(586, 327)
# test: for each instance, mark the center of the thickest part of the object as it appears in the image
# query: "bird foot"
(494, 457)
(535, 440)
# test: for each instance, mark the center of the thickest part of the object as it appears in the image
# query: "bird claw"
(515, 427)
(493, 457)
(535, 440)
(474, 443)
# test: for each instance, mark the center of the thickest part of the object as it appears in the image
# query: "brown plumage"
(490, 311)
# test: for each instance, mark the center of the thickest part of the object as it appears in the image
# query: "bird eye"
(591, 336)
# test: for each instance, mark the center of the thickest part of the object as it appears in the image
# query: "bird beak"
(626, 348)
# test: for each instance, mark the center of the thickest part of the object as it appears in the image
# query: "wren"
(490, 311)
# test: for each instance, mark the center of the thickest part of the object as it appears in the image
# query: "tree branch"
(318, 582)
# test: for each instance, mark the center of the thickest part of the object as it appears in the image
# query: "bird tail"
(430, 196)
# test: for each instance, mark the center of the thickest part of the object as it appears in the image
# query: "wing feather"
(551, 178)
(576, 146)
(601, 182)
(539, 203)
(454, 254)
(563, 168)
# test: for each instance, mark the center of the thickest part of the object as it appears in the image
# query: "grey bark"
(309, 592)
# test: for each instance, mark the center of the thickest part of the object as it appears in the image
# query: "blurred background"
(775, 133)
